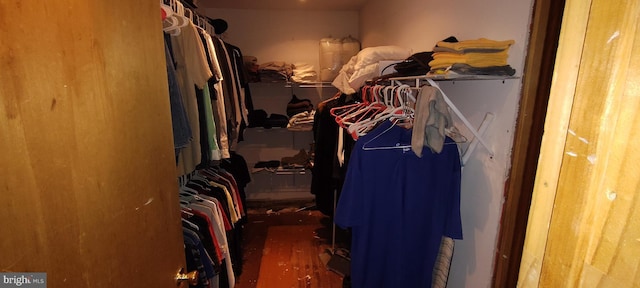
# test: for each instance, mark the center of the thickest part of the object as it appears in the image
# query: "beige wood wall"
(584, 225)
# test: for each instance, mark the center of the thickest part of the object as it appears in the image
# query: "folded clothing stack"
(302, 121)
(304, 72)
(472, 57)
(296, 106)
(275, 71)
(267, 164)
(260, 118)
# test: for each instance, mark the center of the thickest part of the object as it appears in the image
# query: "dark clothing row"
(213, 214)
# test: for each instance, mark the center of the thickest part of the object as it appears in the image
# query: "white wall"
(484, 176)
(419, 24)
(288, 35)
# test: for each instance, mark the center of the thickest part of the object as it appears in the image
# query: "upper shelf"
(455, 77)
(310, 84)
(428, 76)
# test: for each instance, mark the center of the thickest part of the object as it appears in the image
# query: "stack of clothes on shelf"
(279, 71)
(304, 73)
(275, 71)
(302, 121)
(471, 57)
(366, 65)
(301, 160)
(301, 113)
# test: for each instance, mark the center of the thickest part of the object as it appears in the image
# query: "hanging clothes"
(327, 172)
(214, 92)
(230, 91)
(207, 102)
(179, 119)
(212, 201)
(193, 73)
(217, 95)
(399, 206)
(197, 257)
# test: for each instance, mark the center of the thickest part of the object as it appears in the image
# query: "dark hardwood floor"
(284, 247)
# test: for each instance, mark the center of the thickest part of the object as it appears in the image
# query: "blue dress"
(398, 206)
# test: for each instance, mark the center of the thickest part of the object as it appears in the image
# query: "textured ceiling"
(334, 5)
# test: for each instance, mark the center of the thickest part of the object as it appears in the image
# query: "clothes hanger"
(359, 120)
(397, 146)
(353, 113)
(188, 14)
(342, 110)
(171, 24)
(204, 200)
(186, 210)
(408, 100)
(177, 20)
(402, 101)
(363, 114)
(397, 100)
(165, 9)
(336, 96)
(395, 114)
(179, 7)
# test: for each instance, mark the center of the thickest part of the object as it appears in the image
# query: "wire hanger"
(376, 105)
(398, 101)
(176, 21)
(401, 110)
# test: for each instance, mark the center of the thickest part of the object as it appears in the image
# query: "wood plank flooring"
(282, 249)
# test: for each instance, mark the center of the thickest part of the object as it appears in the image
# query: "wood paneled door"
(88, 190)
(584, 225)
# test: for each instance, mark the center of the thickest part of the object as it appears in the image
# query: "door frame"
(538, 73)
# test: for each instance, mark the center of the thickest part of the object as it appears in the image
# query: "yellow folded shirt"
(481, 43)
(476, 62)
(497, 55)
(480, 60)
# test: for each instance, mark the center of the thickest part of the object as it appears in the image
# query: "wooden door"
(584, 225)
(87, 171)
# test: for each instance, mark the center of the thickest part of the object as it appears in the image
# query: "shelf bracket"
(486, 122)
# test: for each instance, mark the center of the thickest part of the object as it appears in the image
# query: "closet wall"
(420, 25)
(290, 36)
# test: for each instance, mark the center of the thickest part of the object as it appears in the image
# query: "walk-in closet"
(318, 144)
(483, 109)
